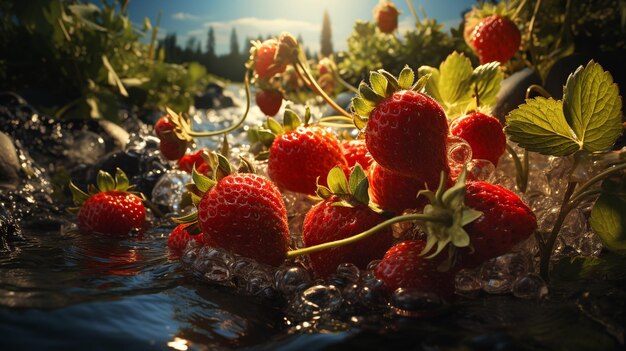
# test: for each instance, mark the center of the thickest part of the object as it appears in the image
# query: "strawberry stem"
(521, 168)
(519, 9)
(318, 90)
(583, 191)
(369, 232)
(246, 82)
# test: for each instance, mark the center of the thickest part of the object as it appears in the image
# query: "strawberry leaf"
(291, 120)
(421, 83)
(361, 107)
(455, 75)
(105, 181)
(274, 126)
(406, 78)
(592, 107)
(486, 79)
(368, 94)
(337, 182)
(431, 85)
(202, 182)
(361, 192)
(121, 180)
(356, 177)
(378, 83)
(190, 218)
(540, 126)
(266, 137)
(608, 216)
(307, 115)
(78, 195)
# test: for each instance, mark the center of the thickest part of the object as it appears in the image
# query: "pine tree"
(210, 45)
(326, 42)
(234, 44)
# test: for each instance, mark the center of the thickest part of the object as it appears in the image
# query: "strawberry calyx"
(180, 127)
(382, 85)
(271, 128)
(104, 182)
(346, 192)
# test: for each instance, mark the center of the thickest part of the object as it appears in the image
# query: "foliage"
(90, 59)
(370, 50)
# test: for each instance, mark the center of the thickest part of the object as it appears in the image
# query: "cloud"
(276, 25)
(182, 16)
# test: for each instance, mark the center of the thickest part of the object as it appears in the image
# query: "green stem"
(597, 178)
(335, 119)
(336, 125)
(521, 168)
(365, 234)
(320, 91)
(234, 126)
(539, 89)
(519, 9)
(531, 27)
(546, 251)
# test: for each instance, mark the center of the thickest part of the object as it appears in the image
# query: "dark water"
(66, 291)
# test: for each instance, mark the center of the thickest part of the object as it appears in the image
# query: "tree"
(326, 42)
(234, 44)
(210, 45)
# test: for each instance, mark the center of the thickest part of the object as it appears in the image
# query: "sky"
(251, 18)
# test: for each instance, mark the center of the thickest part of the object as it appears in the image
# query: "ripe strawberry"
(484, 134)
(263, 59)
(179, 237)
(495, 38)
(406, 131)
(164, 128)
(395, 192)
(113, 210)
(386, 16)
(269, 101)
(355, 151)
(187, 162)
(341, 216)
(245, 213)
(172, 149)
(174, 139)
(505, 221)
(300, 155)
(404, 266)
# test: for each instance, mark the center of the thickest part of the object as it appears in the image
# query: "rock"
(513, 92)
(215, 96)
(9, 163)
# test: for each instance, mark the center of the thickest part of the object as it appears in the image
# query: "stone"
(9, 163)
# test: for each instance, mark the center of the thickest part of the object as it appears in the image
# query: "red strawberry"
(341, 216)
(505, 221)
(395, 192)
(164, 128)
(484, 134)
(298, 157)
(245, 213)
(355, 151)
(113, 210)
(179, 237)
(406, 133)
(263, 56)
(495, 38)
(172, 149)
(187, 162)
(269, 101)
(386, 16)
(405, 267)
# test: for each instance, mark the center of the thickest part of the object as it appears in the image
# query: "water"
(60, 289)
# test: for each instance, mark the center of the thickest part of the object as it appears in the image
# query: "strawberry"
(263, 59)
(240, 212)
(386, 16)
(344, 213)
(495, 38)
(505, 221)
(396, 192)
(301, 154)
(484, 134)
(404, 266)
(179, 237)
(269, 101)
(188, 162)
(405, 131)
(355, 151)
(170, 129)
(113, 210)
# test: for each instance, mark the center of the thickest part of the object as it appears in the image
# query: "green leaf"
(359, 122)
(487, 79)
(266, 137)
(540, 126)
(608, 220)
(307, 115)
(378, 83)
(368, 94)
(274, 126)
(291, 120)
(361, 107)
(356, 176)
(114, 79)
(455, 75)
(421, 83)
(105, 181)
(121, 180)
(78, 195)
(323, 192)
(361, 192)
(592, 107)
(406, 78)
(190, 218)
(202, 182)
(223, 167)
(432, 84)
(337, 182)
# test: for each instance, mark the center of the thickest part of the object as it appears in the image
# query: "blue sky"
(300, 17)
